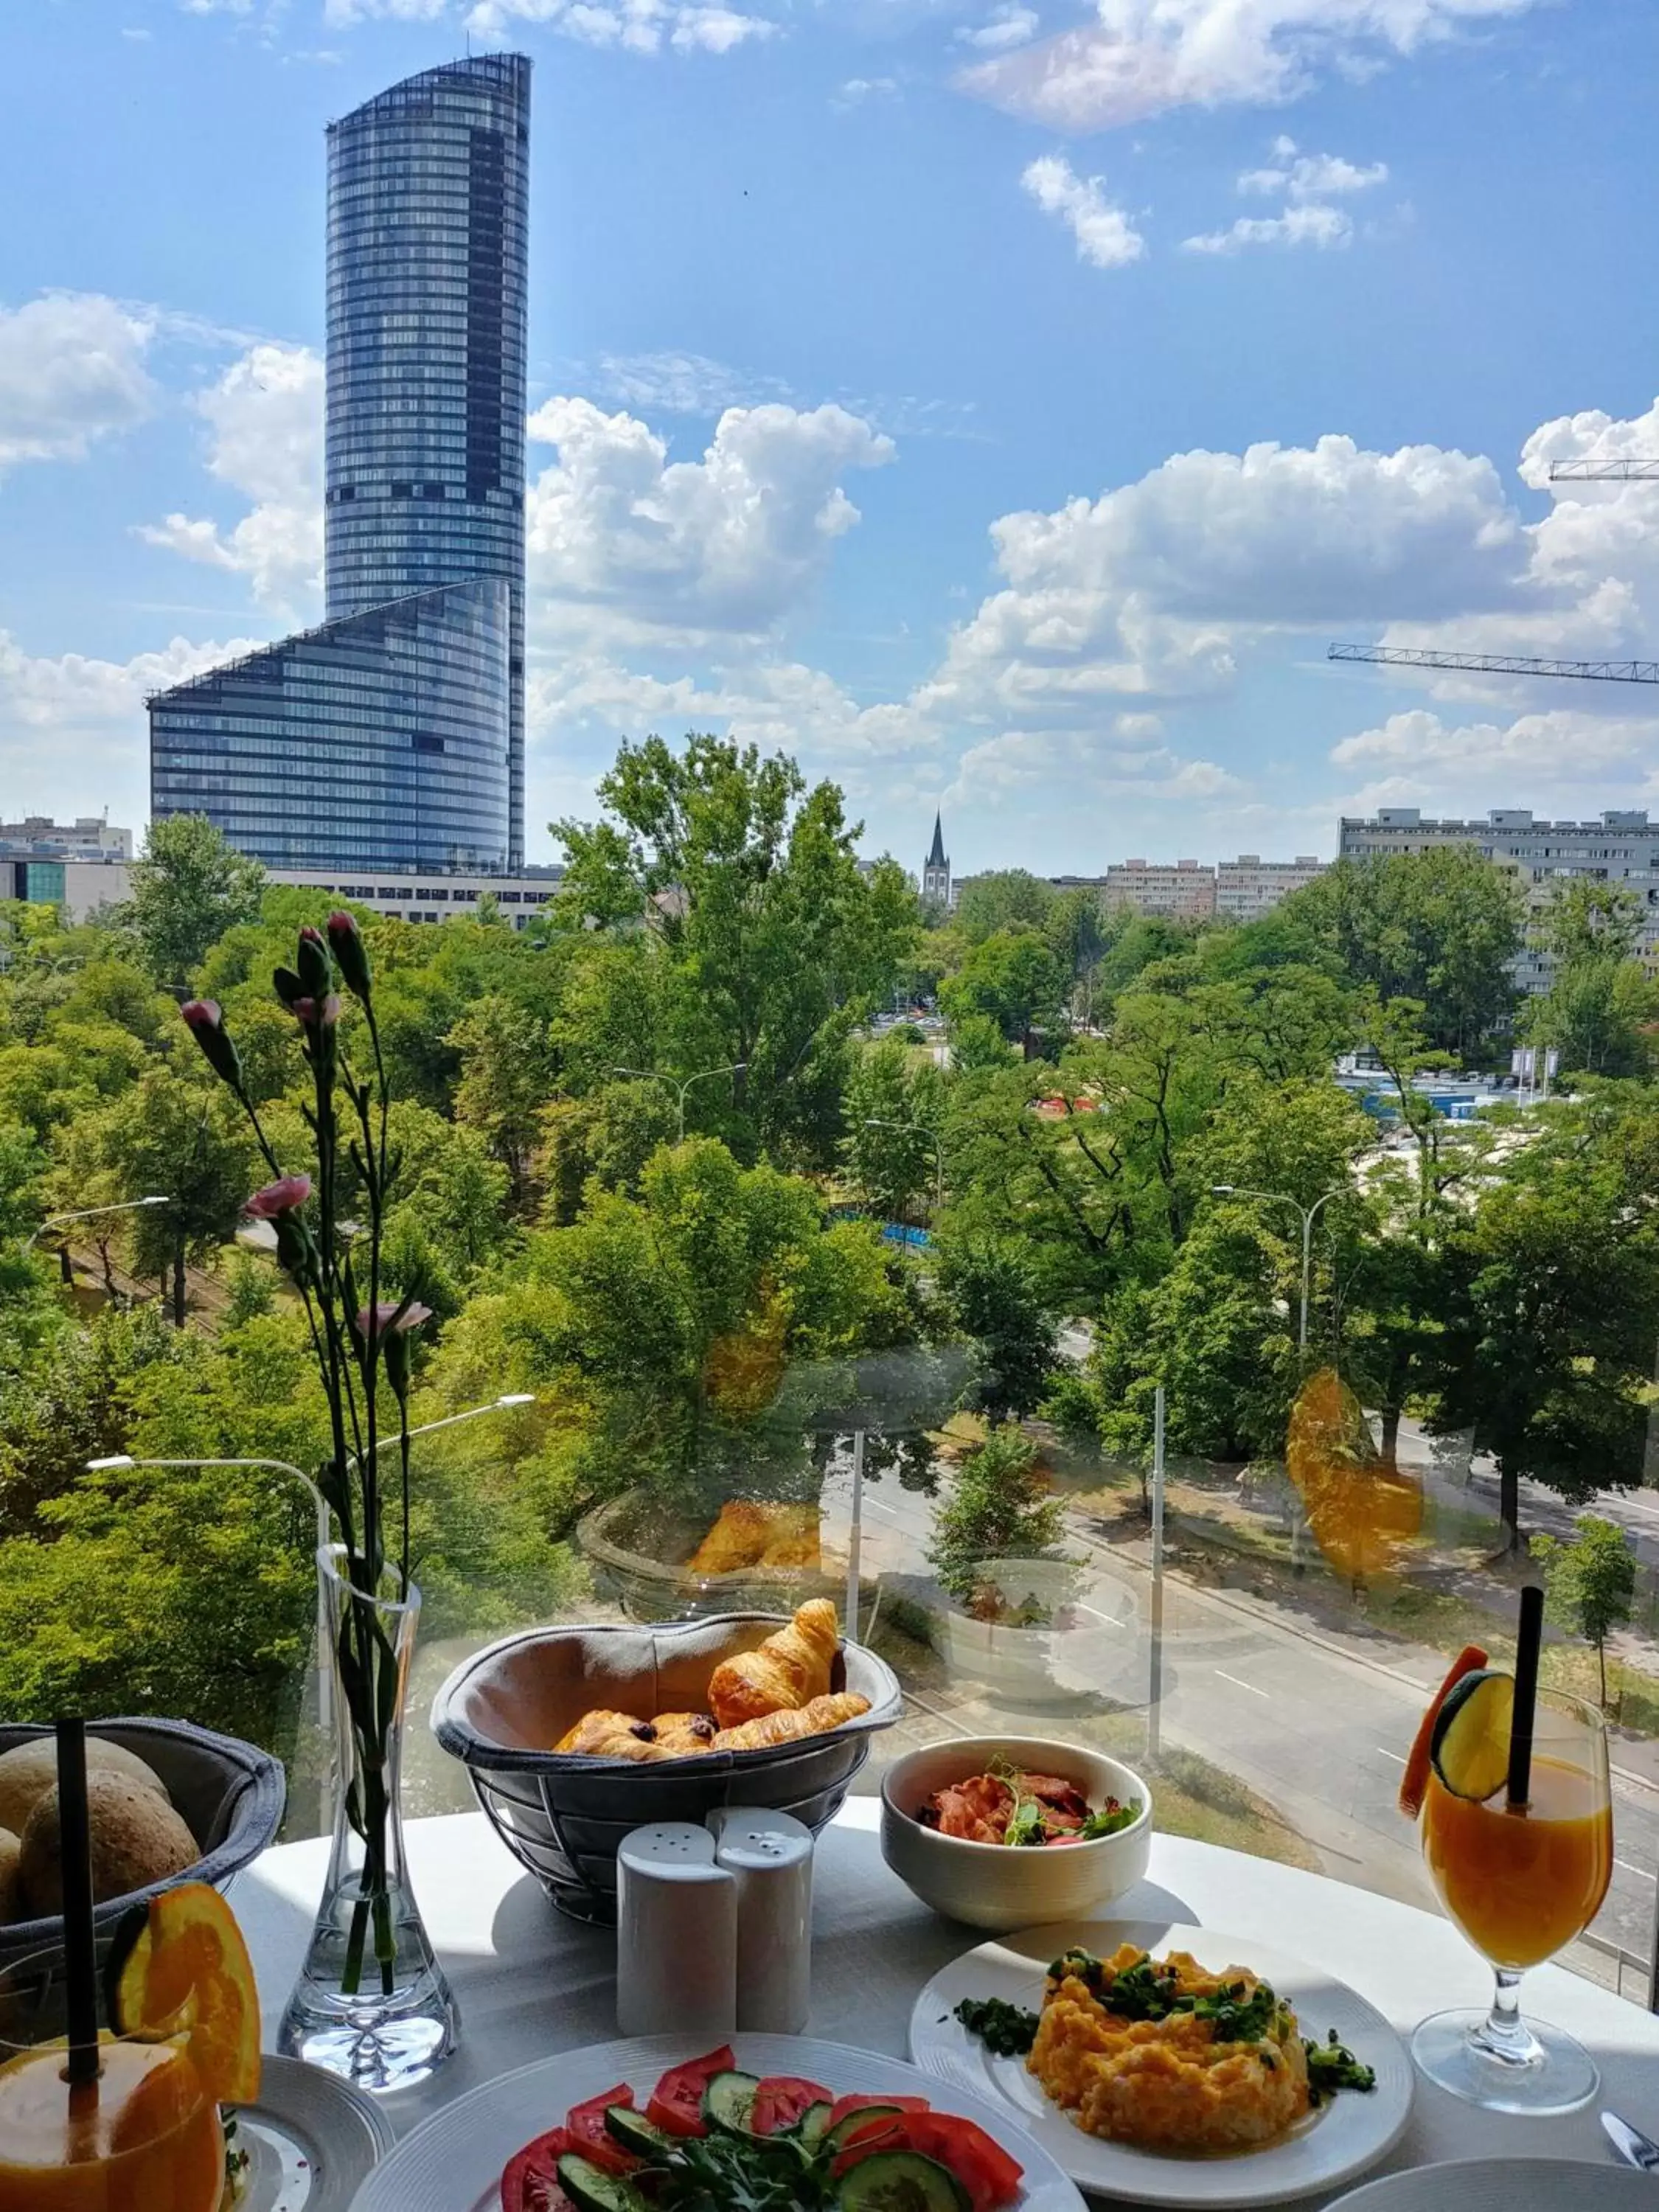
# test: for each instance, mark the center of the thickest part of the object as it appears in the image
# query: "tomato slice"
(781, 2100)
(985, 2169)
(843, 2105)
(531, 2181)
(676, 2105)
(585, 2125)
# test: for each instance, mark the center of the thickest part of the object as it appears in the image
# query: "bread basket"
(562, 1817)
(230, 1794)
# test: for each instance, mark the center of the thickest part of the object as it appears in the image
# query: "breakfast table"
(532, 1984)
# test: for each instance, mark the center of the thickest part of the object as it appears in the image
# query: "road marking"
(1646, 1872)
(1237, 1684)
(1393, 1755)
(1098, 1615)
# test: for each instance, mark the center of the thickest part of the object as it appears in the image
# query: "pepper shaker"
(677, 1934)
(770, 1856)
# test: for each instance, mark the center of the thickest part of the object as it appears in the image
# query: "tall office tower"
(393, 734)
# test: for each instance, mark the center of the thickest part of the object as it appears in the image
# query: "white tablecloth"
(531, 1982)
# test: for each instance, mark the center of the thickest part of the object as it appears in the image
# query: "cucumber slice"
(728, 2102)
(635, 2132)
(1470, 1744)
(900, 2181)
(811, 2125)
(838, 2137)
(592, 2190)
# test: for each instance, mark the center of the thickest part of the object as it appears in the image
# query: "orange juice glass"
(1521, 1882)
(145, 2137)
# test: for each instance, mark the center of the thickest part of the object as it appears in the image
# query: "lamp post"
(325, 1675)
(88, 1213)
(670, 1083)
(920, 1130)
(1307, 1213)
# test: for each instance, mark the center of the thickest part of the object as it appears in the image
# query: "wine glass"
(1520, 1883)
(146, 2133)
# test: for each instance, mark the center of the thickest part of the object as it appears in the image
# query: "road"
(1320, 1734)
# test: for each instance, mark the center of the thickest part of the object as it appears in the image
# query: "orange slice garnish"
(189, 1973)
(1415, 1780)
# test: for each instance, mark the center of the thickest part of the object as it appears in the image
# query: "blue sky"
(999, 403)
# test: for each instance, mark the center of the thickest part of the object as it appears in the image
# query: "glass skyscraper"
(393, 735)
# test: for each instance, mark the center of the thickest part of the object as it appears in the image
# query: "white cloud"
(1006, 27)
(1106, 238)
(724, 544)
(1308, 225)
(1311, 176)
(1142, 58)
(679, 383)
(858, 91)
(71, 372)
(265, 418)
(70, 727)
(643, 27)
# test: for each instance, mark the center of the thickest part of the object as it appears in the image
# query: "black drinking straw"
(1528, 1641)
(75, 1845)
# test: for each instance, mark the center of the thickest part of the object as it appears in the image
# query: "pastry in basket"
(604, 1734)
(686, 1733)
(817, 1717)
(788, 1671)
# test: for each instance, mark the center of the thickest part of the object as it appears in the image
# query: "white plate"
(1343, 2138)
(312, 2139)
(1506, 2184)
(453, 2163)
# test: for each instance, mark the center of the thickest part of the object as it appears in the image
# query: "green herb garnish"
(1026, 1825)
(1111, 1817)
(1007, 2031)
(1332, 2066)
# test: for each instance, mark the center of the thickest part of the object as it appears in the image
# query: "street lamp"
(87, 1213)
(920, 1130)
(324, 1702)
(1307, 1213)
(669, 1082)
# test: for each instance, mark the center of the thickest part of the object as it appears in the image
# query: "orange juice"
(1520, 1884)
(148, 2141)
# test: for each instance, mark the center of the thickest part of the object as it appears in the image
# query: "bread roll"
(28, 1770)
(136, 1838)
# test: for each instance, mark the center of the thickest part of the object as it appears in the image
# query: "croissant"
(684, 1734)
(814, 1718)
(612, 1735)
(789, 1669)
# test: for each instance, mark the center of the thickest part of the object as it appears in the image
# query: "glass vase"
(372, 2004)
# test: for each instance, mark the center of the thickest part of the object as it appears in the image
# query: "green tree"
(1014, 979)
(1600, 1001)
(998, 1509)
(1006, 898)
(1591, 1581)
(1546, 1345)
(505, 1076)
(892, 1109)
(1440, 927)
(189, 886)
(995, 1295)
(769, 944)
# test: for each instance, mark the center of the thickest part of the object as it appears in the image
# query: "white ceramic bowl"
(989, 1885)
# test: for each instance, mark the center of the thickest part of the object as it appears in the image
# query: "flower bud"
(285, 1195)
(316, 969)
(207, 1025)
(350, 955)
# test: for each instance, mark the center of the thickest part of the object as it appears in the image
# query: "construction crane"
(1501, 664)
(1604, 471)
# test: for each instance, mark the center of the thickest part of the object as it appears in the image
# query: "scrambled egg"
(1168, 2082)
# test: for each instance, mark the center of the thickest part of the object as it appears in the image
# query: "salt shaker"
(770, 1856)
(677, 1934)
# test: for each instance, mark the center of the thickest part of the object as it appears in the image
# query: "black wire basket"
(562, 1816)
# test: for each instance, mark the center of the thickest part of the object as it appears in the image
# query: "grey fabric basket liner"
(505, 1707)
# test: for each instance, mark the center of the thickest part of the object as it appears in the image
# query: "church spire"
(936, 857)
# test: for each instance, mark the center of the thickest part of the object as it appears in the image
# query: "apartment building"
(1183, 889)
(1621, 846)
(1249, 887)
